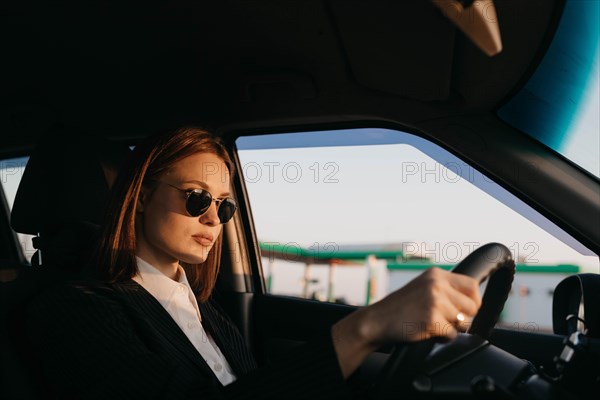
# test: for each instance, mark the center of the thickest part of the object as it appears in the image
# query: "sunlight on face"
(165, 232)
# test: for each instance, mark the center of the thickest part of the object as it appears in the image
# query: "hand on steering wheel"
(492, 260)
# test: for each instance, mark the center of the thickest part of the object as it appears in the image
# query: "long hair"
(114, 259)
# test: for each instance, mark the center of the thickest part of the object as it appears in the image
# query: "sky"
(391, 194)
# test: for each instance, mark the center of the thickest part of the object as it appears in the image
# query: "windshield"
(560, 104)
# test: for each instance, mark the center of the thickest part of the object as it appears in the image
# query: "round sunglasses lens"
(226, 210)
(198, 202)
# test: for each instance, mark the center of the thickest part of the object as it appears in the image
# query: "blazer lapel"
(151, 316)
(228, 339)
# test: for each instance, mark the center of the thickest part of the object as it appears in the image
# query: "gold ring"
(460, 317)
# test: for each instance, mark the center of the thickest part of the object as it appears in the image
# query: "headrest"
(577, 295)
(65, 182)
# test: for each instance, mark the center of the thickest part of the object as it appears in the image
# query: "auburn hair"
(114, 259)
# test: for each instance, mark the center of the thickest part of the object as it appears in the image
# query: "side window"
(349, 216)
(11, 172)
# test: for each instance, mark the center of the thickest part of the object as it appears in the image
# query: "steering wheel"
(405, 364)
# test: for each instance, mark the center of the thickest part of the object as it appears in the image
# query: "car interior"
(85, 82)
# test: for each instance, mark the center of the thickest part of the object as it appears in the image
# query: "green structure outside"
(558, 268)
(293, 252)
(332, 256)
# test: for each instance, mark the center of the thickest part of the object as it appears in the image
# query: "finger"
(466, 285)
(463, 303)
(463, 322)
(450, 326)
(451, 332)
(439, 325)
(454, 317)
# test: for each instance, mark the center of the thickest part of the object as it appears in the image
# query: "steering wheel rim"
(493, 261)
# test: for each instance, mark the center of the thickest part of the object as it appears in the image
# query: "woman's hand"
(426, 307)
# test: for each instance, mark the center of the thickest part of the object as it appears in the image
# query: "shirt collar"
(158, 284)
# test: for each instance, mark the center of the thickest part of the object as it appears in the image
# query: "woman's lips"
(202, 240)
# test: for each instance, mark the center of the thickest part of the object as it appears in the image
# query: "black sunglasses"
(198, 202)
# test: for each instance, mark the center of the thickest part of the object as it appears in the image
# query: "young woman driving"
(151, 328)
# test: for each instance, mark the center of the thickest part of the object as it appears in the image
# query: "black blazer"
(117, 341)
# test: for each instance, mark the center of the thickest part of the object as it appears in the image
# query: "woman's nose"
(211, 216)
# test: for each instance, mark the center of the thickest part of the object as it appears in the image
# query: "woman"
(151, 329)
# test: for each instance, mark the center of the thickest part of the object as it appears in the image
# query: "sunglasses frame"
(218, 200)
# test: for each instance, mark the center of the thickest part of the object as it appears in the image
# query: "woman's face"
(165, 233)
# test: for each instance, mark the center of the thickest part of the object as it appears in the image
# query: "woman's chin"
(194, 258)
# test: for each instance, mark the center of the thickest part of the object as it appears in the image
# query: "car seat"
(60, 200)
(62, 194)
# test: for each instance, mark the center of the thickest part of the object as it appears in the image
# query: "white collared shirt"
(179, 301)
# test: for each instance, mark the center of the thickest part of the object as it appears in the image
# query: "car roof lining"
(110, 67)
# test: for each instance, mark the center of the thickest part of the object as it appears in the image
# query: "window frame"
(254, 257)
